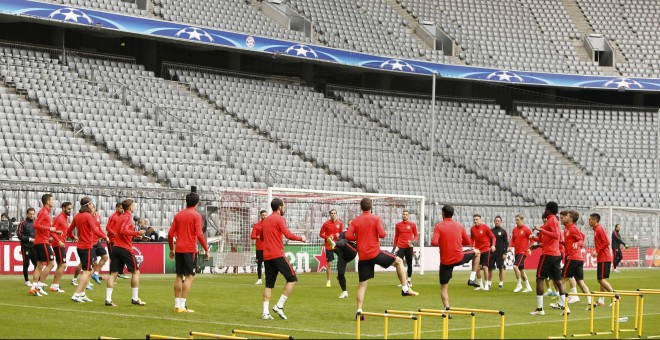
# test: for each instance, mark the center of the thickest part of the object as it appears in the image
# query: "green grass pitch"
(225, 302)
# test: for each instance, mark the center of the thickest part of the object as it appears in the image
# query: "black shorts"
(329, 255)
(260, 255)
(110, 246)
(484, 259)
(603, 270)
(549, 267)
(185, 263)
(276, 266)
(98, 250)
(497, 260)
(366, 267)
(60, 255)
(347, 250)
(446, 270)
(29, 255)
(574, 269)
(44, 252)
(123, 257)
(520, 261)
(405, 253)
(86, 260)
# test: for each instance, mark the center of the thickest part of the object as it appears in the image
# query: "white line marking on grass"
(266, 324)
(516, 324)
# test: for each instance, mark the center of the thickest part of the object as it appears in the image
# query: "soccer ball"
(194, 33)
(70, 15)
(397, 65)
(301, 50)
(505, 76)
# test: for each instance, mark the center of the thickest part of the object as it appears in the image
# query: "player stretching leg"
(346, 252)
(330, 233)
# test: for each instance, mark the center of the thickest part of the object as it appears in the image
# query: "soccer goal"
(306, 211)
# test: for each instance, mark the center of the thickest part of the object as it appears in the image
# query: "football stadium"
(408, 169)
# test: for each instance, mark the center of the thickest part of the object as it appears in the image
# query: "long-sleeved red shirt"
(331, 229)
(450, 236)
(256, 235)
(602, 244)
(110, 226)
(573, 235)
(549, 236)
(520, 239)
(42, 225)
(405, 232)
(482, 237)
(187, 228)
(88, 230)
(272, 229)
(366, 229)
(125, 230)
(60, 223)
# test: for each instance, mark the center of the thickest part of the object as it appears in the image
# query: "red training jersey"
(272, 229)
(110, 227)
(549, 236)
(187, 228)
(573, 235)
(88, 231)
(450, 236)
(60, 223)
(42, 225)
(331, 229)
(405, 232)
(366, 229)
(520, 239)
(125, 230)
(601, 243)
(482, 237)
(256, 235)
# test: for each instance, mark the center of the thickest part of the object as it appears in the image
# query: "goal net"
(306, 211)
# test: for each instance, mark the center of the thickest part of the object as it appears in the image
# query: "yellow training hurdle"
(213, 336)
(445, 321)
(156, 336)
(386, 318)
(263, 334)
(451, 310)
(641, 309)
(614, 329)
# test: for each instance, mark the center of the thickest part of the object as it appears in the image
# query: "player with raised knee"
(346, 252)
(330, 231)
(573, 270)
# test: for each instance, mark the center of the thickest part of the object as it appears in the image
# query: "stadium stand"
(121, 6)
(364, 26)
(233, 15)
(633, 26)
(522, 35)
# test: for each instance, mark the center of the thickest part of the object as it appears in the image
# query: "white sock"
(359, 310)
(520, 282)
(134, 292)
(501, 283)
(601, 300)
(96, 273)
(473, 275)
(560, 301)
(182, 303)
(539, 301)
(266, 311)
(489, 283)
(177, 303)
(108, 294)
(574, 290)
(405, 288)
(589, 300)
(409, 279)
(281, 302)
(549, 290)
(528, 286)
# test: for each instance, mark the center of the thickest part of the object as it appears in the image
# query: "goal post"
(307, 210)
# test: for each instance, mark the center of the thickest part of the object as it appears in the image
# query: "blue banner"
(203, 35)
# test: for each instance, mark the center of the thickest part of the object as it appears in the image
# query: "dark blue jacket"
(25, 233)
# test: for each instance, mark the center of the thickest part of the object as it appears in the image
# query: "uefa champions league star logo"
(397, 65)
(301, 50)
(194, 33)
(71, 15)
(505, 76)
(624, 83)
